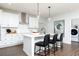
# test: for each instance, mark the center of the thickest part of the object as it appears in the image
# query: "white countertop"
(35, 35)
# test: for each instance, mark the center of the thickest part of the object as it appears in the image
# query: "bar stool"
(53, 42)
(44, 44)
(60, 40)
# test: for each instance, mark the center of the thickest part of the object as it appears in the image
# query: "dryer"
(75, 34)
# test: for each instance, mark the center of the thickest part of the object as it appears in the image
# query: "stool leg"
(45, 50)
(54, 48)
(39, 49)
(35, 49)
(61, 45)
(48, 50)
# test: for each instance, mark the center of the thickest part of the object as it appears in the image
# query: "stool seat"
(58, 40)
(40, 44)
(52, 42)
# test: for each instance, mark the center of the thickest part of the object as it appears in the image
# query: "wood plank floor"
(12, 51)
(68, 50)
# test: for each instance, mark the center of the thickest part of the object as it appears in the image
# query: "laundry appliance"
(75, 34)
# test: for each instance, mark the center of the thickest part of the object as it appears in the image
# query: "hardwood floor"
(68, 50)
(12, 51)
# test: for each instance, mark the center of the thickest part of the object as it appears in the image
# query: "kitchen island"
(29, 41)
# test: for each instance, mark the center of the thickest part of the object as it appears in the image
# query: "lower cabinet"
(11, 40)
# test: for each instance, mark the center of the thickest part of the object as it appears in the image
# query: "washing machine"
(75, 34)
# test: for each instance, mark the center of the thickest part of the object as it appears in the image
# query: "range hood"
(23, 18)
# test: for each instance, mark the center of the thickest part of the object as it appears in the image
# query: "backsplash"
(11, 30)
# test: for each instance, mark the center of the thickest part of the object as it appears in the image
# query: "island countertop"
(35, 34)
(29, 41)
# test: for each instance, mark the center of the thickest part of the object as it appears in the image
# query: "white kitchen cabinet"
(9, 19)
(14, 38)
(33, 22)
(11, 40)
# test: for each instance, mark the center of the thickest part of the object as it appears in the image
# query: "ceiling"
(31, 8)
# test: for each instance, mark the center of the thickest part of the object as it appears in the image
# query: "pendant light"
(49, 13)
(38, 11)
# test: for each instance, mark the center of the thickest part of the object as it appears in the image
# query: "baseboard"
(67, 42)
(9, 45)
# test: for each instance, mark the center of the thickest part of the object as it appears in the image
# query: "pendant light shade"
(49, 13)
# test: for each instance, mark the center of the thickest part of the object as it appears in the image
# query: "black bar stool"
(60, 40)
(44, 44)
(53, 42)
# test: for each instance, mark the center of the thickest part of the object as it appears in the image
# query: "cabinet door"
(9, 19)
(14, 20)
(33, 22)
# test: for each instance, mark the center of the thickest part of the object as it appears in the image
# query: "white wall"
(75, 22)
(47, 24)
(50, 26)
(42, 23)
(67, 17)
(33, 22)
(23, 29)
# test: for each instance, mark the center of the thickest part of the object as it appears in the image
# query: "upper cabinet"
(23, 18)
(9, 19)
(33, 22)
